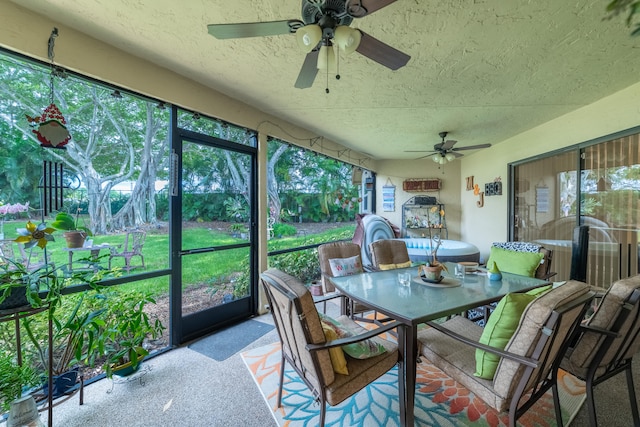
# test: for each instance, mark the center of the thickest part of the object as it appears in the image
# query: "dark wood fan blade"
(471, 147)
(427, 155)
(360, 8)
(254, 29)
(382, 53)
(309, 70)
(447, 145)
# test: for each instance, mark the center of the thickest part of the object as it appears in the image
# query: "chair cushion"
(522, 263)
(345, 266)
(580, 357)
(338, 360)
(359, 350)
(499, 329)
(394, 266)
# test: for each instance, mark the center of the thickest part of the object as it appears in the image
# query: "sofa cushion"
(522, 263)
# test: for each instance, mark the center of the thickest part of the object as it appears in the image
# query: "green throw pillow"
(500, 327)
(522, 263)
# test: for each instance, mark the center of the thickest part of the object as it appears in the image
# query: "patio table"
(93, 256)
(421, 302)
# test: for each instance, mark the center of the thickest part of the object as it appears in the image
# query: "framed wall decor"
(389, 197)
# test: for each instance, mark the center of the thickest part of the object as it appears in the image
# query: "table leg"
(70, 261)
(407, 339)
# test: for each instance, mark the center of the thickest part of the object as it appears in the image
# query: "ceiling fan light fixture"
(327, 59)
(436, 158)
(347, 38)
(450, 157)
(308, 37)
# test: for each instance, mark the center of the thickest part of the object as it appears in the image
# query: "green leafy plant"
(78, 326)
(126, 329)
(280, 229)
(67, 222)
(14, 379)
(630, 7)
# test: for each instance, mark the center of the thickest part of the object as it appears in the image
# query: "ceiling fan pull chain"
(327, 88)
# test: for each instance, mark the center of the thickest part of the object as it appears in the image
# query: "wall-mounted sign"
(389, 197)
(493, 189)
(419, 185)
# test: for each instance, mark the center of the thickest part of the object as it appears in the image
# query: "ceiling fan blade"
(382, 53)
(472, 147)
(360, 8)
(254, 29)
(427, 155)
(447, 145)
(308, 71)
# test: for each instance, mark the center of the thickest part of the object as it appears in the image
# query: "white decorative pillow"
(345, 266)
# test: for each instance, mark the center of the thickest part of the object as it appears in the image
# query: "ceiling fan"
(325, 23)
(444, 151)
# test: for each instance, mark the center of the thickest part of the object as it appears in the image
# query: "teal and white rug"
(440, 401)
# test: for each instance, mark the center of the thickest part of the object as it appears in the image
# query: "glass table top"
(420, 302)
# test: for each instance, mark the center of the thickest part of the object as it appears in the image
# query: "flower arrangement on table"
(435, 231)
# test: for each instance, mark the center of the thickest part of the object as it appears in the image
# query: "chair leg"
(632, 396)
(556, 401)
(323, 412)
(282, 362)
(591, 404)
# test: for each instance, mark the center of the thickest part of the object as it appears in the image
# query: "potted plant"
(77, 322)
(19, 284)
(128, 330)
(74, 234)
(14, 381)
(238, 230)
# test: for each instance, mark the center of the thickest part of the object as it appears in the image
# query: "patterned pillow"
(345, 266)
(518, 246)
(359, 350)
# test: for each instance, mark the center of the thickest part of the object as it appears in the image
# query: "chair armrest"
(328, 297)
(549, 275)
(356, 338)
(599, 330)
(520, 359)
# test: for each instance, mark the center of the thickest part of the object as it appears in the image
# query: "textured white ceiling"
(484, 70)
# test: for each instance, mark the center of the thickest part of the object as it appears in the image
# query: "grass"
(197, 270)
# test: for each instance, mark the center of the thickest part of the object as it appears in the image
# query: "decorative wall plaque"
(420, 185)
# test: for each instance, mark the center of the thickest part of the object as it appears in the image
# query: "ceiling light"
(450, 157)
(308, 37)
(347, 38)
(327, 59)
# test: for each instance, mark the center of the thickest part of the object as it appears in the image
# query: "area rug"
(225, 343)
(440, 401)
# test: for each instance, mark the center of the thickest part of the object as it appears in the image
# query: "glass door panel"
(216, 245)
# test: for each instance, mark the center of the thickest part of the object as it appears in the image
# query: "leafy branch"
(631, 7)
